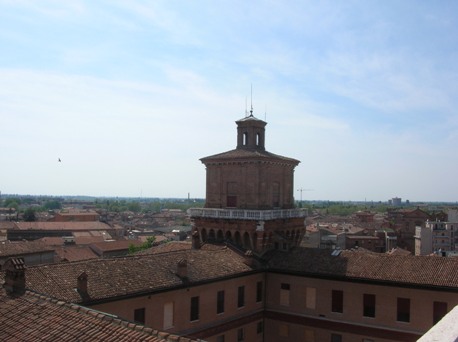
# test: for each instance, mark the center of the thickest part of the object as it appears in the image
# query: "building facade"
(436, 237)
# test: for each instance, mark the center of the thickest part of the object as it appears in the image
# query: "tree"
(145, 245)
(12, 203)
(52, 204)
(29, 215)
(134, 206)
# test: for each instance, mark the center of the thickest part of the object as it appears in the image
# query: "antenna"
(246, 107)
(251, 111)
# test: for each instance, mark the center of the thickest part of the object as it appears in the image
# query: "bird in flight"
(58, 159)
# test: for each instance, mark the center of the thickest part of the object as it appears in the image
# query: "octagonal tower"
(249, 195)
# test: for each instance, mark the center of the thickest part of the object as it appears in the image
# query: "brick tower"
(249, 195)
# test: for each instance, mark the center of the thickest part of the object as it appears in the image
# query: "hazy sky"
(131, 94)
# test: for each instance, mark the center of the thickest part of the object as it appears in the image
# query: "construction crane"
(302, 190)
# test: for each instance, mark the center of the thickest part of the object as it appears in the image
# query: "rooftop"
(148, 273)
(92, 225)
(23, 247)
(409, 270)
(119, 277)
(33, 317)
(250, 155)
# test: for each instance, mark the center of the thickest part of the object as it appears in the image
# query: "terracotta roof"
(247, 154)
(399, 251)
(111, 246)
(32, 317)
(52, 241)
(93, 225)
(361, 237)
(132, 275)
(75, 212)
(412, 270)
(82, 238)
(250, 118)
(7, 225)
(75, 253)
(171, 246)
(23, 247)
(87, 240)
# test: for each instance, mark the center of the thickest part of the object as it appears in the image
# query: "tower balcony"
(242, 214)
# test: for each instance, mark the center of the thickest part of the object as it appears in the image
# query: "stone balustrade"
(242, 214)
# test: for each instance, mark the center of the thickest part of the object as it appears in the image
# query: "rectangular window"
(275, 194)
(309, 335)
(231, 201)
(337, 301)
(240, 335)
(194, 308)
(139, 315)
(403, 310)
(259, 288)
(260, 327)
(439, 311)
(283, 330)
(220, 302)
(284, 294)
(336, 338)
(241, 296)
(368, 305)
(231, 194)
(310, 298)
(168, 315)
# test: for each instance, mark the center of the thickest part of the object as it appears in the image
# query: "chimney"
(81, 284)
(195, 240)
(182, 269)
(249, 259)
(14, 276)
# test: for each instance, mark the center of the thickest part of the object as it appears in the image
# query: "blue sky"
(131, 94)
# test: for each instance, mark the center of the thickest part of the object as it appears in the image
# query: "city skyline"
(123, 99)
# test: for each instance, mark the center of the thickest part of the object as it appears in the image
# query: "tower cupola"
(251, 133)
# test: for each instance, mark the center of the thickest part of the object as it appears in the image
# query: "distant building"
(423, 240)
(404, 223)
(365, 216)
(32, 252)
(37, 230)
(437, 237)
(396, 202)
(68, 215)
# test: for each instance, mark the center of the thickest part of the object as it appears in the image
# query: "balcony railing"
(241, 214)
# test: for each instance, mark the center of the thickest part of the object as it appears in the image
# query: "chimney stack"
(81, 284)
(249, 259)
(182, 269)
(14, 276)
(195, 240)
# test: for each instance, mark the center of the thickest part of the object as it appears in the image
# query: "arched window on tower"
(245, 139)
(258, 139)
